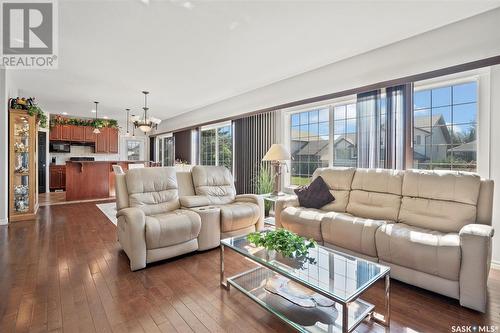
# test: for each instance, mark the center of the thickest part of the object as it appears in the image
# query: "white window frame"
(159, 138)
(483, 126)
(331, 104)
(216, 127)
(124, 146)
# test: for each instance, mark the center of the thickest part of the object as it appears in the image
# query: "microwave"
(59, 147)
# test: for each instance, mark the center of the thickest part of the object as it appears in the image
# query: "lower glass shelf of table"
(316, 292)
(316, 319)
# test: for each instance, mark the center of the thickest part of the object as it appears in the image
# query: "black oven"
(59, 147)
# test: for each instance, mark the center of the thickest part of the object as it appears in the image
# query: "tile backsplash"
(83, 151)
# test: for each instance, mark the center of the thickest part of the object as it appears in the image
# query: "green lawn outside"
(299, 181)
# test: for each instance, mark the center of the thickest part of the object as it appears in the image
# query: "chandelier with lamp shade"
(145, 123)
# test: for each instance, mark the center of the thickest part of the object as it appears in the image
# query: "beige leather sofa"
(213, 186)
(432, 228)
(152, 225)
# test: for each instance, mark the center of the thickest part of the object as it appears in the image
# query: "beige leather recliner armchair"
(213, 186)
(151, 226)
(432, 228)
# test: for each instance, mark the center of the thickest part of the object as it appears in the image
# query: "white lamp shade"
(96, 131)
(277, 152)
(145, 128)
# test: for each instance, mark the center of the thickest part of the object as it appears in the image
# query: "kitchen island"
(92, 179)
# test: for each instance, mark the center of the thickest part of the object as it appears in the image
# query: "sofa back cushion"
(154, 190)
(439, 200)
(376, 194)
(339, 182)
(185, 183)
(215, 182)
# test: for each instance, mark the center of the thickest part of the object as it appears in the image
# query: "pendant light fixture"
(128, 119)
(146, 124)
(96, 129)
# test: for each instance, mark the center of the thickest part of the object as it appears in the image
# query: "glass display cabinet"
(23, 202)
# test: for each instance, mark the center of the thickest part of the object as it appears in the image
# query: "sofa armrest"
(280, 205)
(191, 201)
(131, 226)
(259, 201)
(475, 244)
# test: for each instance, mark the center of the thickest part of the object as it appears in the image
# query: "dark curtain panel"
(396, 126)
(252, 138)
(382, 125)
(369, 130)
(183, 145)
(152, 148)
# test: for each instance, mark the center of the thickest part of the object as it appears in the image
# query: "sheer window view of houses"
(444, 133)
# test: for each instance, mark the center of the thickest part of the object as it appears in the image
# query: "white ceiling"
(191, 54)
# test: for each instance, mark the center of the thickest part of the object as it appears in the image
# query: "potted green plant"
(288, 243)
(264, 184)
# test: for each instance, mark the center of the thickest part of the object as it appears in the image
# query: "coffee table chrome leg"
(386, 320)
(345, 318)
(223, 281)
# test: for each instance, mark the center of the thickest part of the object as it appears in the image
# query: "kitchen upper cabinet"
(113, 140)
(89, 134)
(105, 142)
(102, 141)
(77, 133)
(55, 133)
(65, 133)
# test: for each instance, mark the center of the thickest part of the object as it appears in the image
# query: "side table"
(269, 220)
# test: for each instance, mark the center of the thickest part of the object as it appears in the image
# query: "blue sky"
(457, 104)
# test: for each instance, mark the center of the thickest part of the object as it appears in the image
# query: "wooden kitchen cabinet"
(89, 135)
(77, 133)
(102, 141)
(57, 175)
(55, 133)
(107, 141)
(65, 133)
(113, 140)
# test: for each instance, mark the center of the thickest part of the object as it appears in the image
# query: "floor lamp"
(277, 154)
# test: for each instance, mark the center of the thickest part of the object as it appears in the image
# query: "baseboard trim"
(495, 264)
(4, 221)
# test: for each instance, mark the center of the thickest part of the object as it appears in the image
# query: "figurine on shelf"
(21, 167)
(19, 147)
(21, 190)
(23, 131)
(22, 205)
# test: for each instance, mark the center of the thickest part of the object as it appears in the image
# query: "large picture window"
(309, 137)
(216, 145)
(166, 150)
(445, 125)
(345, 147)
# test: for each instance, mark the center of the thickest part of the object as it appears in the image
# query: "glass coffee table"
(315, 293)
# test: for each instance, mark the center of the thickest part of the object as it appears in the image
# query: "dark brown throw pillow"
(315, 195)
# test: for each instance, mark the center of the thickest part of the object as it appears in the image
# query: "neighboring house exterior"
(431, 143)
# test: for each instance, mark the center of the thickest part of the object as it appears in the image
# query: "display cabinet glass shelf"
(23, 202)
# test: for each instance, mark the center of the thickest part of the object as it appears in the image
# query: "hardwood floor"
(66, 272)
(59, 198)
